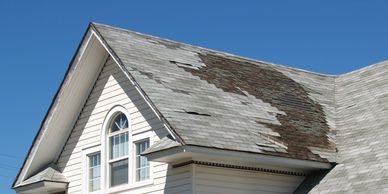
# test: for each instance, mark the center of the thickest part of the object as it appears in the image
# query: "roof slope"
(218, 100)
(362, 139)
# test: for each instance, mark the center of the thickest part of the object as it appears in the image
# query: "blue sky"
(38, 39)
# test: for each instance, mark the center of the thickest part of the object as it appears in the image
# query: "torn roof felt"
(217, 100)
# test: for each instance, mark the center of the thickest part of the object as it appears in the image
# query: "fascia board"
(42, 186)
(58, 98)
(178, 154)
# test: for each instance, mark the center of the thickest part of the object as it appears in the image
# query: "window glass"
(119, 172)
(120, 122)
(118, 150)
(142, 164)
(118, 145)
(94, 173)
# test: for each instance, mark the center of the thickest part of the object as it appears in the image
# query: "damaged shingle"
(245, 103)
(150, 76)
(180, 91)
(194, 113)
(304, 124)
(185, 65)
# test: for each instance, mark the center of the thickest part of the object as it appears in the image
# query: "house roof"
(362, 133)
(218, 100)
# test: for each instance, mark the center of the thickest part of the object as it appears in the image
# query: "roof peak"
(226, 54)
(217, 52)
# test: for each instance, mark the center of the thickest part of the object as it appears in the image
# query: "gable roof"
(217, 100)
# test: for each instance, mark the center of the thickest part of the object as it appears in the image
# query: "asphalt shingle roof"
(219, 100)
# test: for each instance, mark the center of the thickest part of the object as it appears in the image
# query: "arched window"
(121, 152)
(118, 151)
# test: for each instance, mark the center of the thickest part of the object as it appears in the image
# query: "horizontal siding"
(213, 180)
(113, 88)
(168, 181)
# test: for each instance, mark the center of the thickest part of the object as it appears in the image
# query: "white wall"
(213, 180)
(113, 88)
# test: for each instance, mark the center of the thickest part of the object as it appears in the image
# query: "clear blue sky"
(38, 39)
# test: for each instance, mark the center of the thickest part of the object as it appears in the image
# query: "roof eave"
(79, 57)
(44, 185)
(51, 106)
(185, 152)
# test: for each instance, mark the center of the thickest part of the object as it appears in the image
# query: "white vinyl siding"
(113, 88)
(213, 180)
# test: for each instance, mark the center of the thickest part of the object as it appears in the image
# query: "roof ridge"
(366, 68)
(222, 53)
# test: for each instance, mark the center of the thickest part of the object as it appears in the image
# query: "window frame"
(132, 138)
(85, 159)
(136, 139)
(136, 168)
(127, 157)
(109, 118)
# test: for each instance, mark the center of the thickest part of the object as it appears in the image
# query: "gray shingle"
(50, 173)
(218, 100)
(362, 138)
(224, 101)
(163, 144)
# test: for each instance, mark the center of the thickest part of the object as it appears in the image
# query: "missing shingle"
(180, 91)
(150, 76)
(184, 65)
(194, 113)
(301, 120)
(245, 103)
(179, 63)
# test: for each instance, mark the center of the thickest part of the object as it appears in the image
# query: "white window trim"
(138, 138)
(133, 184)
(105, 145)
(132, 139)
(85, 160)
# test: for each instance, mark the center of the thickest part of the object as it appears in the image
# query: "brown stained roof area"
(304, 124)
